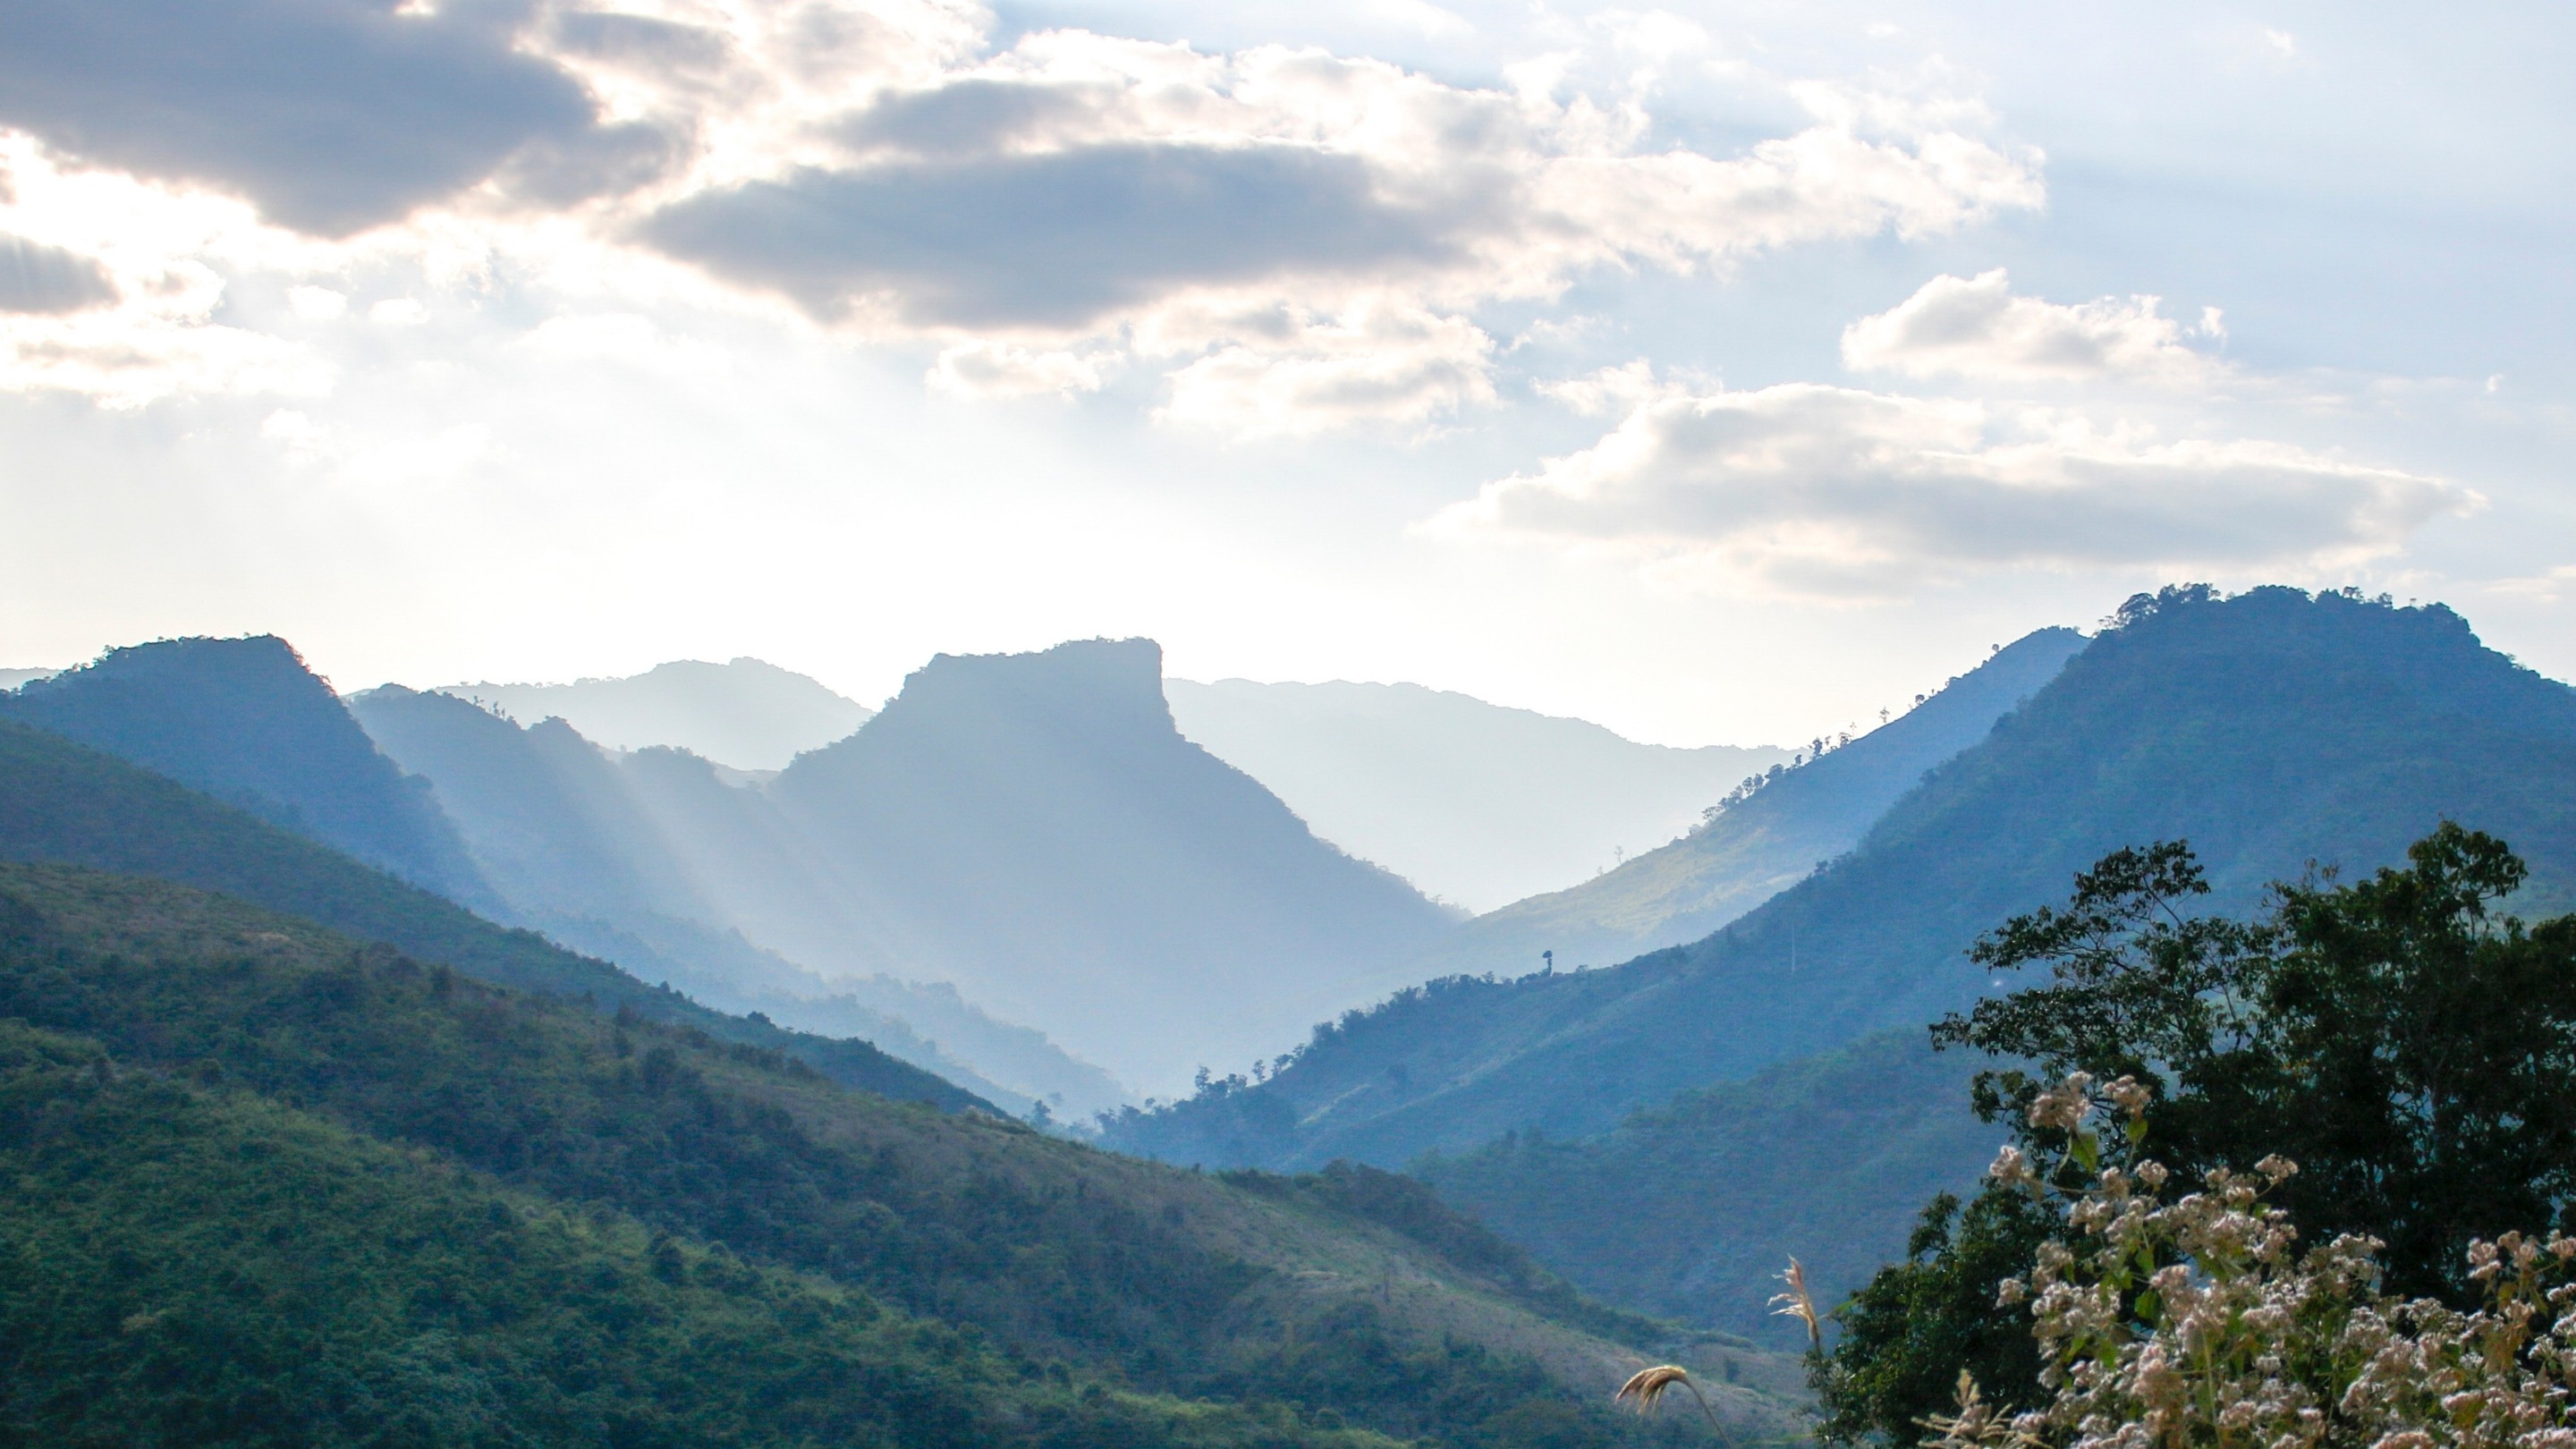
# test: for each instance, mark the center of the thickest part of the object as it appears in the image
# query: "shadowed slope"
(246, 722)
(62, 802)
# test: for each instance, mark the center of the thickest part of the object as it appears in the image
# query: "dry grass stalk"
(1797, 1304)
(1646, 1386)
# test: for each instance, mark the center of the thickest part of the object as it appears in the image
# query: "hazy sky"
(1722, 373)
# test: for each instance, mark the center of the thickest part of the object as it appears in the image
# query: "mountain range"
(744, 714)
(1473, 802)
(1028, 829)
(2267, 731)
(1774, 831)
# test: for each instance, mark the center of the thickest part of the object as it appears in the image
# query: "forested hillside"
(246, 722)
(2269, 730)
(458, 1199)
(1692, 1209)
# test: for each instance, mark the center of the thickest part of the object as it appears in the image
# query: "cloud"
(102, 294)
(1306, 374)
(1810, 490)
(1974, 327)
(885, 170)
(1081, 192)
(999, 370)
(1053, 241)
(330, 115)
(37, 278)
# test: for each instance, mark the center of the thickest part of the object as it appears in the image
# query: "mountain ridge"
(2269, 729)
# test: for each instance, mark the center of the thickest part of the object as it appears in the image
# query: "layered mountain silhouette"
(1029, 831)
(1760, 844)
(2269, 730)
(745, 714)
(585, 845)
(1473, 802)
(245, 721)
(63, 803)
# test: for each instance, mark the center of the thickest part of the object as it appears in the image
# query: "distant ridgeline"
(2269, 730)
(260, 1180)
(1030, 828)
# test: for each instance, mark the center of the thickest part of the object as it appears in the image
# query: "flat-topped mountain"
(1027, 830)
(1034, 828)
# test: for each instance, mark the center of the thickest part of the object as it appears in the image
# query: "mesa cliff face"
(1033, 827)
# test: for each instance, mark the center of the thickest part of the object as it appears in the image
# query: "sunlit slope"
(1033, 828)
(63, 802)
(192, 1263)
(1352, 1293)
(2268, 730)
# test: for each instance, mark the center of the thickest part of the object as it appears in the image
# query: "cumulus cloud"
(1304, 374)
(102, 294)
(1823, 491)
(1296, 240)
(1974, 327)
(37, 278)
(331, 117)
(1076, 180)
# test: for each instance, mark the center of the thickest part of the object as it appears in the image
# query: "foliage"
(2397, 1035)
(2408, 1045)
(1917, 1324)
(1689, 1210)
(1125, 1272)
(186, 1264)
(2196, 1322)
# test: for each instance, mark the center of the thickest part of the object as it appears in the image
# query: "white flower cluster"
(2197, 1323)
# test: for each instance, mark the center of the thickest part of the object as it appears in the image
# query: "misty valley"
(1062, 1054)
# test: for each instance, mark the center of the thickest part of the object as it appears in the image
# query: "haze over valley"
(1106, 724)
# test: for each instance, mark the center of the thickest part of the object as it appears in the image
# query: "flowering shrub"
(2200, 1322)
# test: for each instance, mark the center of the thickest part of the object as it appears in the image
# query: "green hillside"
(1350, 1297)
(1692, 1209)
(184, 1262)
(2269, 730)
(60, 801)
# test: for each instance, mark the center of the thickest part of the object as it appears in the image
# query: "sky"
(1723, 373)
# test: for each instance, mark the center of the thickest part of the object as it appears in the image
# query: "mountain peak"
(1112, 682)
(245, 720)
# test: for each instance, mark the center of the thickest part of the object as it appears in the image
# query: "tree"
(2409, 1046)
